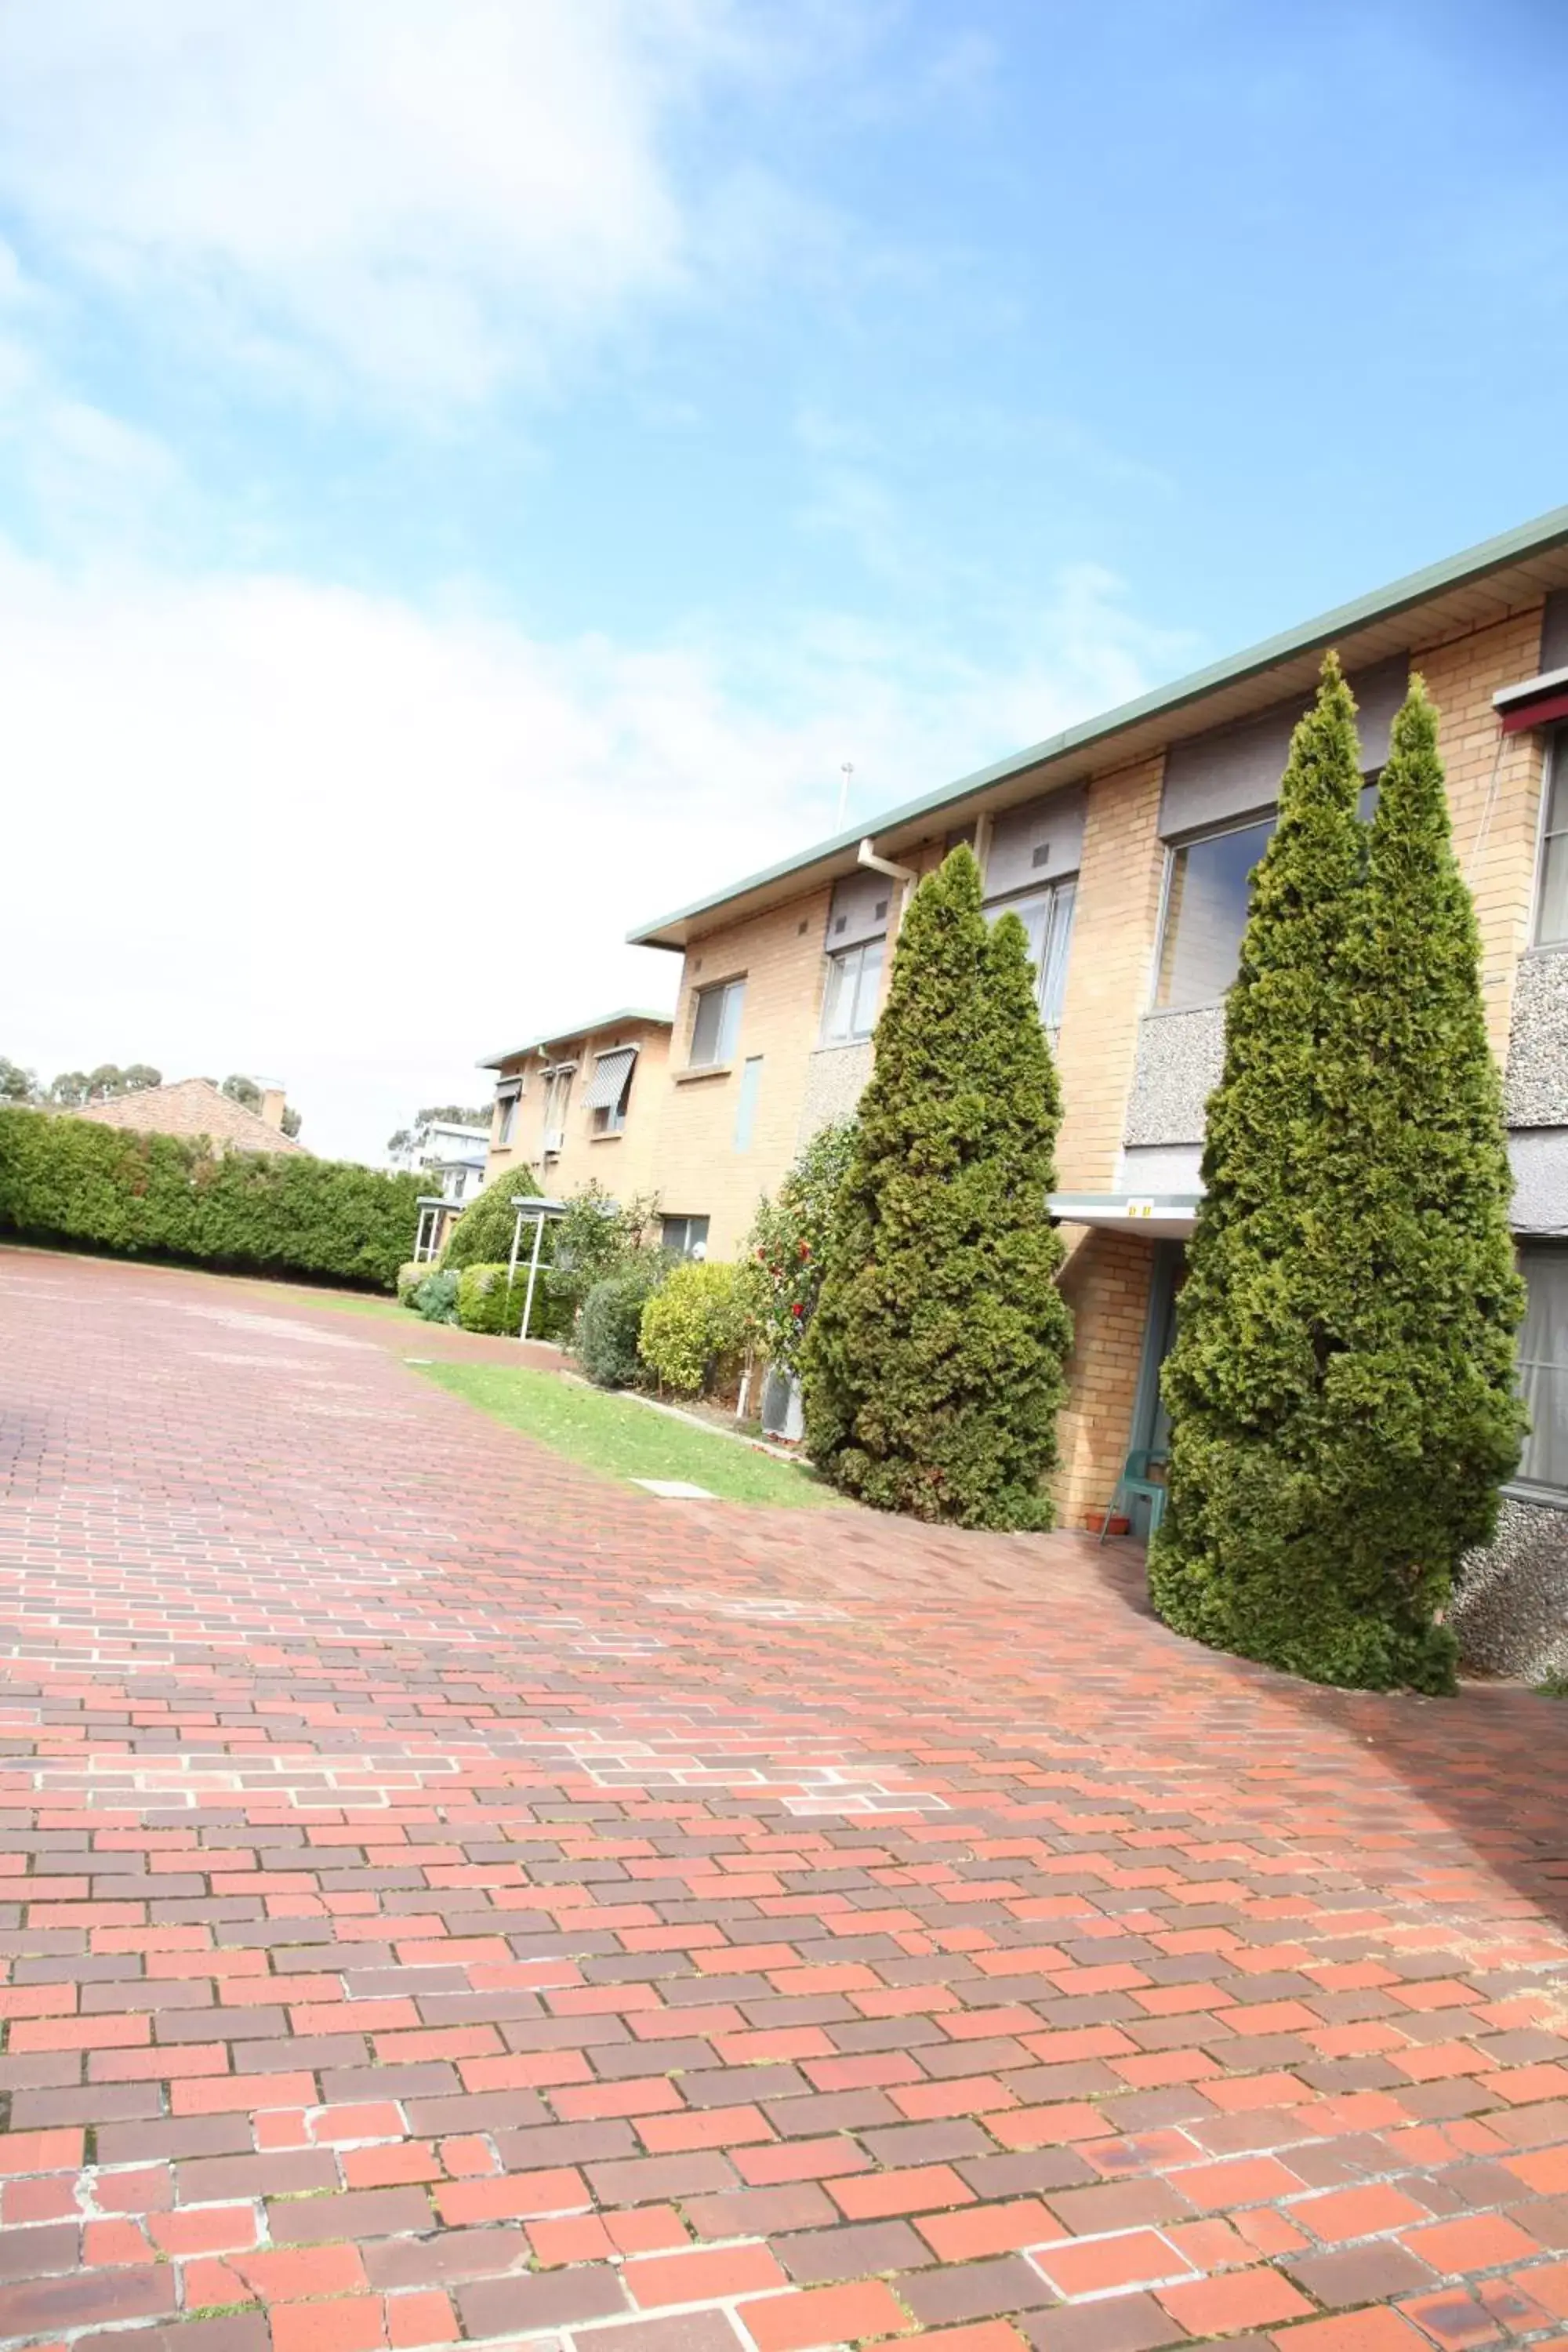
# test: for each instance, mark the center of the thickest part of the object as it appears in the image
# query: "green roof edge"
(1413, 588)
(578, 1029)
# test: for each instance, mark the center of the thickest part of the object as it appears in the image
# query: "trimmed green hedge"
(70, 1180)
(488, 1302)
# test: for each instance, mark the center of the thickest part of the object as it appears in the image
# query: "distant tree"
(105, 1083)
(248, 1094)
(69, 1089)
(139, 1077)
(17, 1085)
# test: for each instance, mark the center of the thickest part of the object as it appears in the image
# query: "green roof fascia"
(578, 1029)
(1529, 538)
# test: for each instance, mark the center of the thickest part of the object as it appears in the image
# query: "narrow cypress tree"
(1250, 1556)
(1342, 1389)
(1427, 1418)
(933, 1365)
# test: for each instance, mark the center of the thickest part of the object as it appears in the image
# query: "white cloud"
(432, 194)
(258, 823)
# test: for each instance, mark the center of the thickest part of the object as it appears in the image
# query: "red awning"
(1550, 708)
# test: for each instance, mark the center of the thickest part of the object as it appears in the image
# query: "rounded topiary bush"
(488, 1302)
(694, 1321)
(611, 1322)
(482, 1235)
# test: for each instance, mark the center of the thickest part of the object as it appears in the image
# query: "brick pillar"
(1106, 1281)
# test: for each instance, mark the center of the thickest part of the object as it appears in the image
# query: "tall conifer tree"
(934, 1366)
(1341, 1389)
(1248, 1557)
(1427, 1420)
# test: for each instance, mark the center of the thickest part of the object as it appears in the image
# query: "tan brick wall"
(624, 1164)
(1496, 847)
(700, 1173)
(1114, 921)
(1106, 1282)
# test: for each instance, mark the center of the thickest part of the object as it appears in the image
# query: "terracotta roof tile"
(191, 1106)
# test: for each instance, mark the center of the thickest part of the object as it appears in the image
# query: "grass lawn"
(345, 1302)
(622, 1439)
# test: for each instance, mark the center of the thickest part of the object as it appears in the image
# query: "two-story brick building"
(1126, 842)
(582, 1106)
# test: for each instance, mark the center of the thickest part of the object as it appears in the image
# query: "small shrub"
(692, 1324)
(410, 1276)
(436, 1296)
(482, 1234)
(610, 1321)
(595, 1238)
(781, 1269)
(488, 1302)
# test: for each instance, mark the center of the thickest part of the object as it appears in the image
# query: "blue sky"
(471, 469)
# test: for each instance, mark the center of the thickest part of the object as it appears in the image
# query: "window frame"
(558, 1099)
(611, 1118)
(1527, 1489)
(725, 1046)
(838, 959)
(506, 1124)
(1053, 887)
(1557, 750)
(688, 1247)
(1174, 849)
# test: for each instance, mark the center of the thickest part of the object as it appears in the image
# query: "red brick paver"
(443, 1897)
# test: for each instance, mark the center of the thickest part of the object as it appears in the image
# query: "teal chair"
(1136, 1484)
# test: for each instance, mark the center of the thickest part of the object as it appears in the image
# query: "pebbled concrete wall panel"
(1511, 1605)
(835, 1078)
(1180, 1056)
(1535, 1087)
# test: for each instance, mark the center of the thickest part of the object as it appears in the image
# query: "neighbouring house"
(453, 1158)
(1125, 843)
(195, 1106)
(585, 1106)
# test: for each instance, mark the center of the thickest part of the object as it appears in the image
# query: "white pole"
(533, 1274)
(516, 1245)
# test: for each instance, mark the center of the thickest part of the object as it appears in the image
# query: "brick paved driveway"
(449, 1897)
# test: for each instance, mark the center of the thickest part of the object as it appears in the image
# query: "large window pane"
(849, 1000)
(1047, 917)
(868, 988)
(717, 1026)
(1205, 914)
(1543, 1367)
(1552, 912)
(838, 1004)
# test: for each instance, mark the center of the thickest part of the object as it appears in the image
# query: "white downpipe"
(904, 875)
(516, 1247)
(983, 824)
